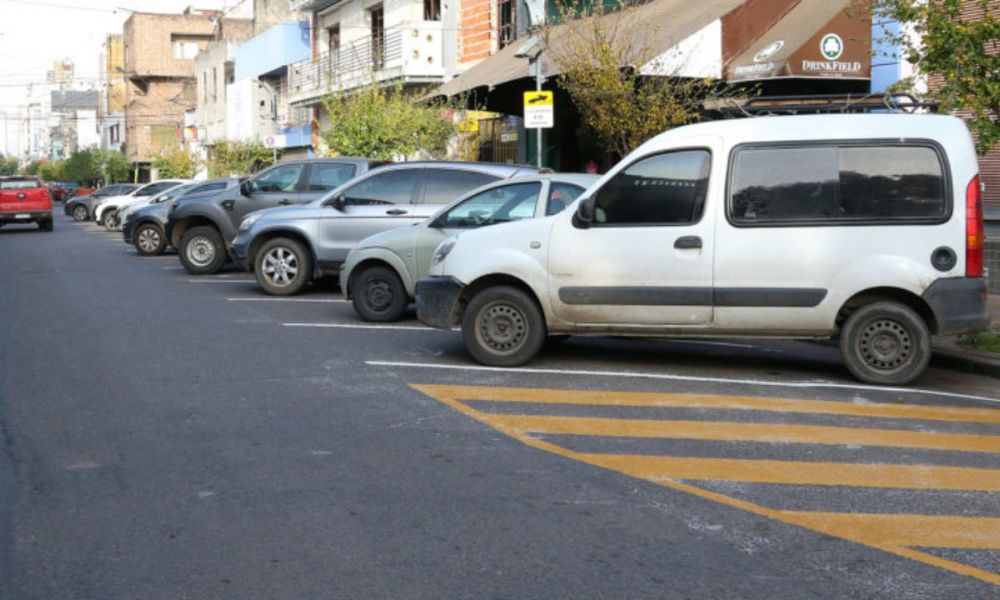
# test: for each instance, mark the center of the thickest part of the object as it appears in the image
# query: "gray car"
(380, 274)
(286, 248)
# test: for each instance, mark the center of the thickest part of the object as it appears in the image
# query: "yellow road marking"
(747, 432)
(896, 534)
(667, 400)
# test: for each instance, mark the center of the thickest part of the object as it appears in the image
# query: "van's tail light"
(974, 229)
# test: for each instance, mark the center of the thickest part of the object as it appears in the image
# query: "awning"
(675, 30)
(813, 39)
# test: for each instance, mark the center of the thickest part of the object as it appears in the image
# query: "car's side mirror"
(246, 188)
(583, 218)
(339, 202)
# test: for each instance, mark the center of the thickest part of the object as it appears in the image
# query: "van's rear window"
(837, 183)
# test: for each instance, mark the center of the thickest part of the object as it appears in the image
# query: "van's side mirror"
(245, 188)
(584, 215)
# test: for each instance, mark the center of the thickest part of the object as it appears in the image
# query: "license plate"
(22, 216)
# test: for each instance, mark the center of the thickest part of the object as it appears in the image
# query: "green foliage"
(8, 166)
(387, 123)
(237, 159)
(177, 163)
(983, 341)
(52, 170)
(82, 167)
(31, 168)
(963, 53)
(598, 58)
(113, 165)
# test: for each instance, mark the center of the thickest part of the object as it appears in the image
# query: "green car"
(380, 273)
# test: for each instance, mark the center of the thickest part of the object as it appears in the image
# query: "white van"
(867, 227)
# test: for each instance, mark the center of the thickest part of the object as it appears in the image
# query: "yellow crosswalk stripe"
(746, 432)
(920, 531)
(709, 401)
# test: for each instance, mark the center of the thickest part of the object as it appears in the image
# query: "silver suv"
(288, 247)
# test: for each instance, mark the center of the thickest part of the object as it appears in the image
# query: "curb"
(947, 353)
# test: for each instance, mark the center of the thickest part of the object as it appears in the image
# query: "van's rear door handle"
(688, 241)
(396, 211)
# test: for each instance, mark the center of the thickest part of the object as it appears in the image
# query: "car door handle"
(284, 202)
(396, 211)
(228, 204)
(688, 241)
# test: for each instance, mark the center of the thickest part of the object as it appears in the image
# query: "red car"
(25, 200)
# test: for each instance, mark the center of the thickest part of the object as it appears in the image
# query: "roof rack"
(825, 104)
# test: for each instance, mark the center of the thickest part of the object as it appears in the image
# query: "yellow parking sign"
(539, 109)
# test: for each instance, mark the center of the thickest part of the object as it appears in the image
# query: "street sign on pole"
(539, 112)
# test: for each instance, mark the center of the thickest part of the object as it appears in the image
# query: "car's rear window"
(19, 184)
(837, 183)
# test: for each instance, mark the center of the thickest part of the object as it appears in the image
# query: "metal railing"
(350, 65)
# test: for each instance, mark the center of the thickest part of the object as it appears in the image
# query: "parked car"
(106, 213)
(62, 191)
(200, 230)
(286, 248)
(867, 228)
(81, 208)
(143, 227)
(380, 273)
(25, 200)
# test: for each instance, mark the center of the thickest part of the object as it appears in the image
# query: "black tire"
(283, 267)
(202, 251)
(148, 239)
(109, 218)
(503, 327)
(80, 213)
(45, 225)
(378, 294)
(885, 343)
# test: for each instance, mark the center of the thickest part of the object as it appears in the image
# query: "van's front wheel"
(503, 327)
(885, 343)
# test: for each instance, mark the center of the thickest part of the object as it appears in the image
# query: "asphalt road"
(166, 436)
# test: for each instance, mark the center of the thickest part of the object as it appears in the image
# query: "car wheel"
(379, 295)
(885, 343)
(80, 213)
(202, 251)
(45, 225)
(283, 267)
(503, 327)
(108, 219)
(149, 240)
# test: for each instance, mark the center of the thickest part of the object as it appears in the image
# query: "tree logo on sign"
(831, 46)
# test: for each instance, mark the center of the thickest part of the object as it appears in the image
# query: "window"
(432, 10)
(326, 176)
(209, 187)
(333, 40)
(185, 50)
(444, 186)
(662, 189)
(378, 37)
(215, 83)
(204, 86)
(506, 26)
(561, 195)
(279, 179)
(495, 205)
(393, 187)
(834, 183)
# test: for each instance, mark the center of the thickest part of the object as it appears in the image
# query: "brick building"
(159, 67)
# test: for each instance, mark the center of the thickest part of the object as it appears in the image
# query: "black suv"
(200, 227)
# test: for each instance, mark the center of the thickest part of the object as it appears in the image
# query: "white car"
(106, 213)
(866, 227)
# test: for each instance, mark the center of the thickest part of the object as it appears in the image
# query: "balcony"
(412, 53)
(309, 5)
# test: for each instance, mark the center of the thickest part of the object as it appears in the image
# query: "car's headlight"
(443, 249)
(248, 222)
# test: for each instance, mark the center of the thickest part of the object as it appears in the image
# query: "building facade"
(111, 110)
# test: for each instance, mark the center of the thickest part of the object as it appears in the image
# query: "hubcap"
(79, 213)
(378, 295)
(201, 251)
(280, 266)
(502, 328)
(886, 345)
(149, 239)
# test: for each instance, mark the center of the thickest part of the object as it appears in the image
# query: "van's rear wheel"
(885, 343)
(503, 327)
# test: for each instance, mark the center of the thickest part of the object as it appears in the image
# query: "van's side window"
(831, 183)
(662, 189)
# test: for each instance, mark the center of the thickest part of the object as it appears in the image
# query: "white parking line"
(213, 280)
(664, 376)
(318, 300)
(172, 268)
(361, 326)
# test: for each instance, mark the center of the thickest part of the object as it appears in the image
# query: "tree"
(8, 166)
(623, 93)
(32, 168)
(113, 165)
(82, 166)
(962, 57)
(52, 170)
(178, 163)
(238, 158)
(386, 122)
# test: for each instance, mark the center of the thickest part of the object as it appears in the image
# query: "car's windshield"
(173, 193)
(496, 205)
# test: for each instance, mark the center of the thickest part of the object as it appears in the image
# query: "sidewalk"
(948, 353)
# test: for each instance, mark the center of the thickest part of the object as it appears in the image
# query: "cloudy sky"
(35, 33)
